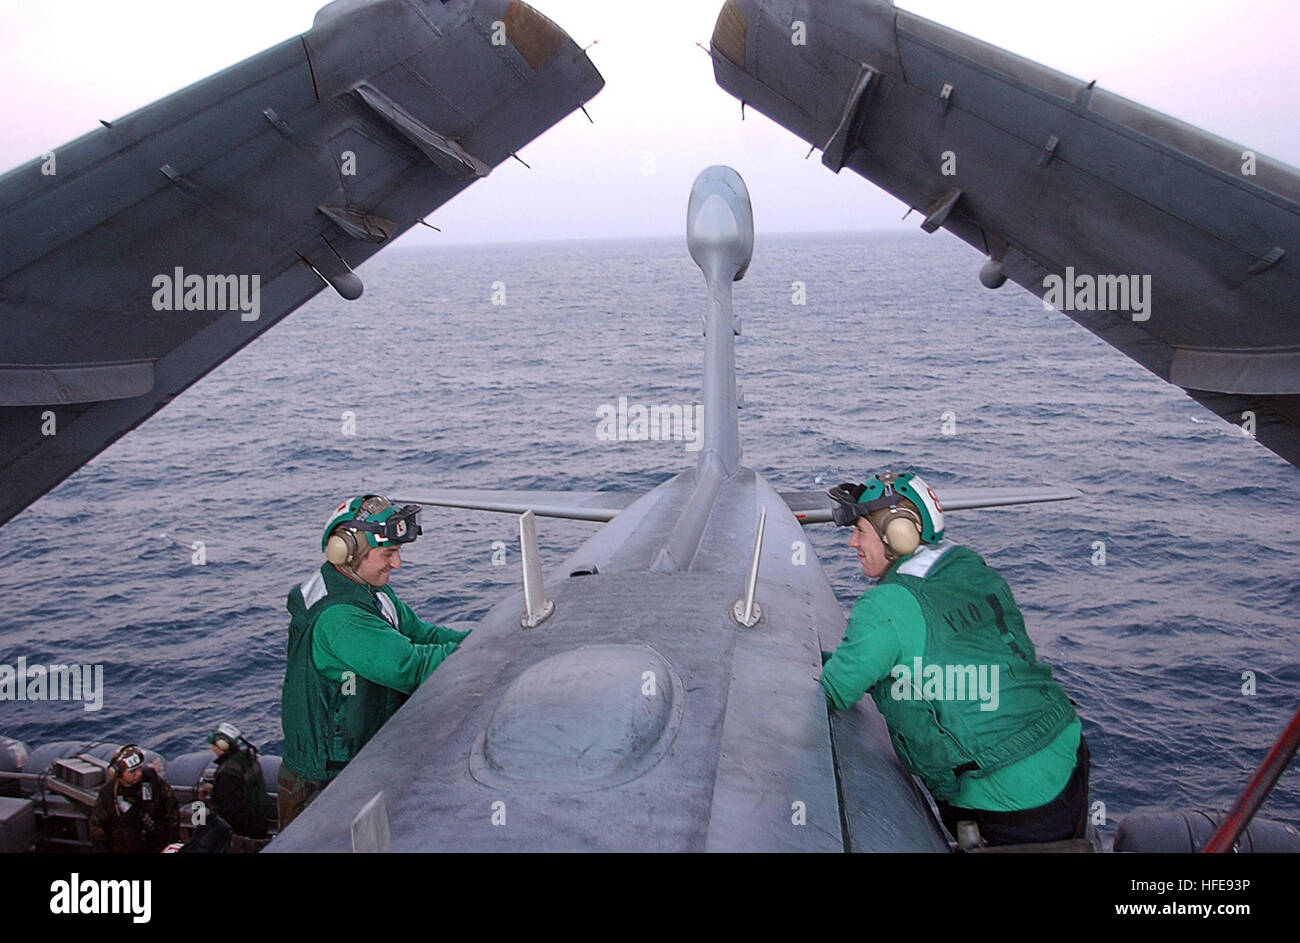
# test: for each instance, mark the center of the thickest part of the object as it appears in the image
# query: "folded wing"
(1052, 178)
(151, 250)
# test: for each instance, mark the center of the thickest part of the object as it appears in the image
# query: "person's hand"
(205, 790)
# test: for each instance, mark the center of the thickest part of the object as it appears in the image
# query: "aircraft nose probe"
(720, 224)
(720, 236)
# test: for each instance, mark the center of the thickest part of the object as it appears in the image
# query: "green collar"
(339, 586)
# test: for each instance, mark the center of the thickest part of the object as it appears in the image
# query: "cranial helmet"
(225, 737)
(902, 509)
(366, 521)
(126, 759)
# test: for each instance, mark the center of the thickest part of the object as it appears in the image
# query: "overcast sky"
(1230, 67)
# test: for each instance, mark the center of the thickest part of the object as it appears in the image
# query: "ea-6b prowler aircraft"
(667, 697)
(240, 198)
(1070, 190)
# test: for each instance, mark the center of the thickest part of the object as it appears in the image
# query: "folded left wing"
(137, 258)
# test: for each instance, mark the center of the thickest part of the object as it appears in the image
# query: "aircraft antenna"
(746, 611)
(537, 607)
(370, 832)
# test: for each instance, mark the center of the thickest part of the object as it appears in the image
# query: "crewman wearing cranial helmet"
(238, 789)
(135, 811)
(942, 648)
(356, 651)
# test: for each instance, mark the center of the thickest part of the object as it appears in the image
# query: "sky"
(1229, 67)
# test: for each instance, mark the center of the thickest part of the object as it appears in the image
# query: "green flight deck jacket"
(942, 647)
(355, 654)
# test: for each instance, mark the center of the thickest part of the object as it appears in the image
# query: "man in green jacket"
(941, 646)
(356, 651)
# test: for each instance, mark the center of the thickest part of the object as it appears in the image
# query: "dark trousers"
(1064, 817)
(295, 794)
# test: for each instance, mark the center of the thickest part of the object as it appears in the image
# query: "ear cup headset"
(901, 509)
(899, 528)
(342, 547)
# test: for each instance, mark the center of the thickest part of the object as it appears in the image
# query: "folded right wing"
(1052, 178)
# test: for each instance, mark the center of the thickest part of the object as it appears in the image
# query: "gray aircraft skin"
(1050, 176)
(641, 716)
(292, 167)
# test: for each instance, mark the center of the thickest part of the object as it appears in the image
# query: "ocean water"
(1200, 526)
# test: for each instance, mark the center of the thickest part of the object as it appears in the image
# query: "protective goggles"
(846, 509)
(400, 527)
